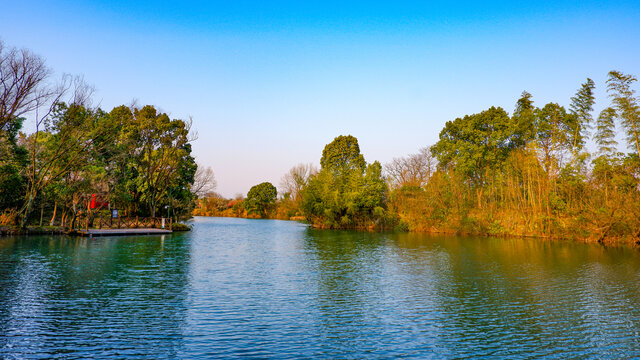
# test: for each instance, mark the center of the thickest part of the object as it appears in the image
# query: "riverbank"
(61, 230)
(32, 230)
(476, 227)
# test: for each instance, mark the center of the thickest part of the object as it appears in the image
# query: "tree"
(553, 130)
(581, 107)
(476, 145)
(626, 105)
(523, 120)
(13, 161)
(346, 193)
(411, 171)
(605, 135)
(261, 198)
(342, 155)
(162, 147)
(71, 135)
(296, 179)
(23, 86)
(204, 182)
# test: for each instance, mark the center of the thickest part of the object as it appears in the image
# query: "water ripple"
(273, 289)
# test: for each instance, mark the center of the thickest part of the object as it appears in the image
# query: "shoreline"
(606, 241)
(6, 231)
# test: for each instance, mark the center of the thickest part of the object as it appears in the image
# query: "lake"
(277, 289)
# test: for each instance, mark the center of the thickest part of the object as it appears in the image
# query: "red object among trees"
(97, 204)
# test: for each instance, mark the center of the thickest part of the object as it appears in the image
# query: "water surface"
(276, 289)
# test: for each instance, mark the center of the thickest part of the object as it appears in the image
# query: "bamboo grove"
(544, 171)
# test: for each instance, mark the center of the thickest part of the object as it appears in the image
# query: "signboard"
(114, 213)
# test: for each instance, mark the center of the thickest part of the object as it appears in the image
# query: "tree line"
(136, 159)
(528, 173)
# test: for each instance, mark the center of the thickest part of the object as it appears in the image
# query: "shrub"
(180, 227)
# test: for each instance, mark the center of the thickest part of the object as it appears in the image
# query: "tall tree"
(346, 193)
(23, 86)
(162, 147)
(13, 161)
(626, 104)
(524, 120)
(605, 135)
(553, 135)
(581, 107)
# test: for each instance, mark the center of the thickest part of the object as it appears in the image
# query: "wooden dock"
(122, 232)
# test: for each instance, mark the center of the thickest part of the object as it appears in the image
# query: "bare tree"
(204, 181)
(297, 177)
(23, 84)
(412, 170)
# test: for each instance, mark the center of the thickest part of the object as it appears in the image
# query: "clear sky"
(268, 84)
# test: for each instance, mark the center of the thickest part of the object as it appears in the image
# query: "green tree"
(523, 120)
(72, 134)
(581, 107)
(13, 161)
(554, 127)
(342, 155)
(346, 193)
(162, 147)
(261, 198)
(476, 145)
(605, 135)
(626, 105)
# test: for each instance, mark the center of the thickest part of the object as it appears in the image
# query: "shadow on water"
(101, 297)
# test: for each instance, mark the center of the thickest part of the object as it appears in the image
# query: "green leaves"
(581, 107)
(346, 193)
(626, 105)
(342, 155)
(476, 143)
(605, 135)
(261, 198)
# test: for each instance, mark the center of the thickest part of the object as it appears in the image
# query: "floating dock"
(122, 232)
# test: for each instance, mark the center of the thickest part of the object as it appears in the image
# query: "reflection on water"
(259, 288)
(103, 297)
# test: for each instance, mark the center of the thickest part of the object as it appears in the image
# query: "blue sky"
(268, 84)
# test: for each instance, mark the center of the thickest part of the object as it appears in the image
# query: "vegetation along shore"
(542, 170)
(528, 173)
(81, 161)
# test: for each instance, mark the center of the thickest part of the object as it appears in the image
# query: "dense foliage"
(134, 159)
(526, 174)
(346, 192)
(261, 199)
(530, 174)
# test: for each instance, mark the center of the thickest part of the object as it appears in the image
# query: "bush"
(402, 227)
(180, 227)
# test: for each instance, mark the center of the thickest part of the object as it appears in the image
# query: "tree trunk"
(26, 209)
(53, 218)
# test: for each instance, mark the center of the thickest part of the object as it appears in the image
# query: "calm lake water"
(276, 289)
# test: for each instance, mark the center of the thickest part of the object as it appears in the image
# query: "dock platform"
(122, 232)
